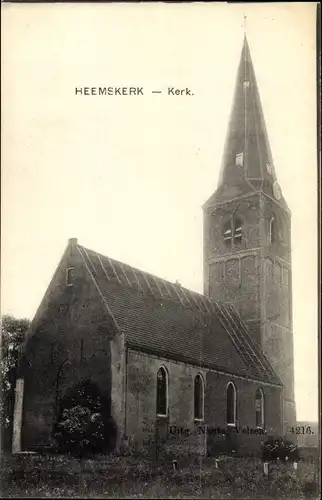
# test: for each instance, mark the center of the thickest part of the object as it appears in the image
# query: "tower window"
(259, 408)
(198, 398)
(272, 230)
(162, 392)
(227, 232)
(240, 159)
(233, 230)
(238, 230)
(268, 168)
(231, 404)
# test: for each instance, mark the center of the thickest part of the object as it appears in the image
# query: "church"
(172, 361)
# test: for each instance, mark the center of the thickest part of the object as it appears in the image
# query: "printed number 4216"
(302, 430)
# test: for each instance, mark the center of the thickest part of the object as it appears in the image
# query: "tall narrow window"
(227, 233)
(162, 392)
(238, 230)
(239, 159)
(268, 168)
(69, 276)
(231, 404)
(259, 408)
(272, 230)
(198, 398)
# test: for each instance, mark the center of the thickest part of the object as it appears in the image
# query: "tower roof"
(247, 164)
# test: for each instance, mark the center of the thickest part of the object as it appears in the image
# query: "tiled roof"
(165, 318)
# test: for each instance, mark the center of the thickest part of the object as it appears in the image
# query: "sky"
(127, 175)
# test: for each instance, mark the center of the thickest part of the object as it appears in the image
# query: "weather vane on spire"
(245, 17)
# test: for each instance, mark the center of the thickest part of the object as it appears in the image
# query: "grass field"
(61, 476)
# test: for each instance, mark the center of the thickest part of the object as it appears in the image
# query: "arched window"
(272, 230)
(162, 392)
(259, 408)
(231, 404)
(198, 398)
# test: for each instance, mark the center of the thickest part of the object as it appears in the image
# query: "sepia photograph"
(159, 250)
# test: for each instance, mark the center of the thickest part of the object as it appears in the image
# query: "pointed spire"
(247, 135)
(247, 164)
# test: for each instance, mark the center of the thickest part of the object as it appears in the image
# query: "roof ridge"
(147, 273)
(176, 285)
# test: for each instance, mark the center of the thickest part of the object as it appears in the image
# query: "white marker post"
(17, 416)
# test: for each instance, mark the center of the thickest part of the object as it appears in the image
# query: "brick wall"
(276, 330)
(179, 429)
(214, 219)
(231, 273)
(72, 339)
(256, 277)
(141, 420)
(281, 246)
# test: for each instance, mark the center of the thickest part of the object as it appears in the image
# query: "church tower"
(247, 234)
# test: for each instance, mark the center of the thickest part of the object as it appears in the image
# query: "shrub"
(279, 448)
(84, 424)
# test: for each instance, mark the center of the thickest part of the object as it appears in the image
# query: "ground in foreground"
(61, 476)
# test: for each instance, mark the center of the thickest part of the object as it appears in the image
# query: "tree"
(12, 335)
